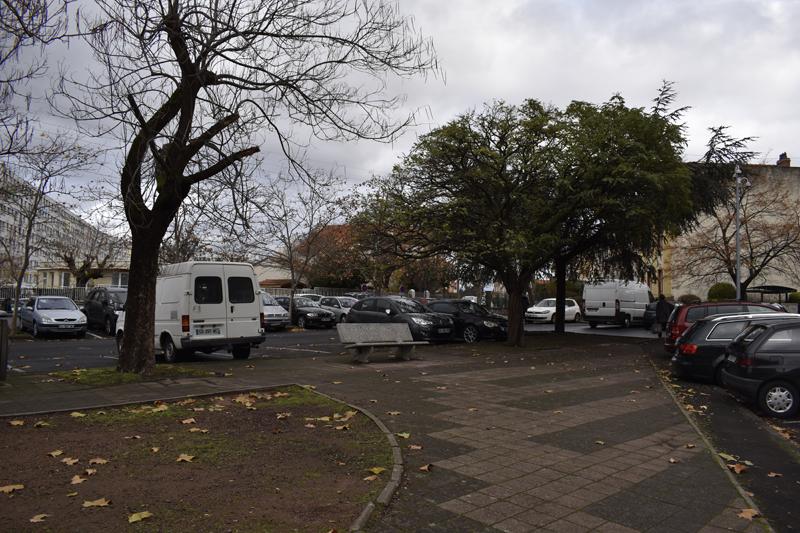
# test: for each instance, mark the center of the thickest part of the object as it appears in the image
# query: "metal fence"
(76, 293)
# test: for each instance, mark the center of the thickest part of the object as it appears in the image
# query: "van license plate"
(207, 331)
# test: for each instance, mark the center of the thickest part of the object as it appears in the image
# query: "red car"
(684, 316)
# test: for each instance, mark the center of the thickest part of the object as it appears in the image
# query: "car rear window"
(726, 331)
(784, 340)
(208, 290)
(240, 290)
(696, 313)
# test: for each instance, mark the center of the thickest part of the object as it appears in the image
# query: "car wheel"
(120, 338)
(109, 327)
(471, 334)
(592, 325)
(170, 352)
(342, 318)
(301, 322)
(241, 351)
(778, 399)
(553, 318)
(35, 331)
(626, 322)
(577, 317)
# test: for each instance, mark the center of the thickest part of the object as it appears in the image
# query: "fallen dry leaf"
(41, 424)
(414, 447)
(343, 427)
(160, 408)
(673, 461)
(77, 480)
(283, 416)
(16, 423)
(102, 502)
(690, 446)
(184, 458)
(8, 489)
(748, 514)
(600, 442)
(392, 413)
(76, 414)
(188, 421)
(336, 382)
(55, 453)
(738, 468)
(310, 426)
(426, 468)
(727, 456)
(138, 517)
(134, 437)
(404, 435)
(98, 461)
(69, 461)
(376, 469)
(90, 471)
(71, 494)
(370, 478)
(155, 449)
(472, 409)
(198, 430)
(774, 474)
(38, 518)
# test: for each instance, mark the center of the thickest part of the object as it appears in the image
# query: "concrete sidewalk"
(571, 434)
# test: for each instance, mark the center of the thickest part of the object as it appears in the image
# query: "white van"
(615, 302)
(205, 306)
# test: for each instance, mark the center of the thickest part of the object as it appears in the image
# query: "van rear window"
(208, 290)
(240, 290)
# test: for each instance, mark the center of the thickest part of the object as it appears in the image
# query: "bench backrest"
(361, 333)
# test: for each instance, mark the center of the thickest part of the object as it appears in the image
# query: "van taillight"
(261, 318)
(616, 305)
(687, 349)
(185, 323)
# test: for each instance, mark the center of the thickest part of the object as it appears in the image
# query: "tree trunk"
(516, 312)
(138, 353)
(561, 293)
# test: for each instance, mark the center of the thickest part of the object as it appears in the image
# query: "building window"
(65, 279)
(119, 279)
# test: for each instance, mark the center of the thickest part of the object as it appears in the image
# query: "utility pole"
(737, 174)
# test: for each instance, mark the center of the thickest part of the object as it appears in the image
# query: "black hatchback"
(700, 351)
(424, 324)
(763, 364)
(472, 322)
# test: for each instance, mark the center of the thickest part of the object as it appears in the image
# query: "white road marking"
(292, 349)
(96, 336)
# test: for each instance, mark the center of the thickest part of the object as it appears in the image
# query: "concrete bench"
(362, 338)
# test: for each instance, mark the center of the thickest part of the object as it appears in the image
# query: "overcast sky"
(735, 62)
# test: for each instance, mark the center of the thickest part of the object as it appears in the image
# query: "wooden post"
(4, 333)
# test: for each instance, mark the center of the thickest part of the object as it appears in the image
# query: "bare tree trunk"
(138, 354)
(561, 293)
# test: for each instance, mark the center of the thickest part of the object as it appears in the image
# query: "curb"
(358, 525)
(714, 452)
(397, 468)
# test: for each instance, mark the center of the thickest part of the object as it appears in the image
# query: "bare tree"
(187, 84)
(183, 241)
(770, 237)
(41, 173)
(89, 258)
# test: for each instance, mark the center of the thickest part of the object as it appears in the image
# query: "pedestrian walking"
(663, 310)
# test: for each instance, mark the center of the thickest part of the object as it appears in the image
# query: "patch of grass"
(209, 448)
(135, 414)
(100, 377)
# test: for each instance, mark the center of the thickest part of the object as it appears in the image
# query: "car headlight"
(489, 324)
(81, 319)
(285, 315)
(312, 315)
(421, 321)
(46, 319)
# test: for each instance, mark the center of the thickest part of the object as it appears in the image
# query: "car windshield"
(119, 297)
(305, 302)
(409, 306)
(55, 303)
(347, 303)
(548, 302)
(473, 308)
(267, 299)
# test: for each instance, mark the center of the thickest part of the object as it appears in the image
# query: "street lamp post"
(737, 174)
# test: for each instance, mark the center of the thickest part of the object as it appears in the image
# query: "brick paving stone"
(457, 506)
(478, 499)
(585, 519)
(496, 512)
(512, 525)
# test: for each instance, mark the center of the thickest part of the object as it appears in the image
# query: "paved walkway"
(552, 438)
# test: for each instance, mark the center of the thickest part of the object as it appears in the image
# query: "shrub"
(794, 297)
(721, 291)
(687, 299)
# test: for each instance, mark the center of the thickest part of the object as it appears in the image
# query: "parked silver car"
(52, 314)
(338, 305)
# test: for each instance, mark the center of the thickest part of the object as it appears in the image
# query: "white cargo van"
(615, 302)
(206, 306)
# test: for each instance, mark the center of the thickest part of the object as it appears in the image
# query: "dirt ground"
(291, 461)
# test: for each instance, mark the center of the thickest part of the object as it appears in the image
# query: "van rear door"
(243, 306)
(599, 301)
(207, 303)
